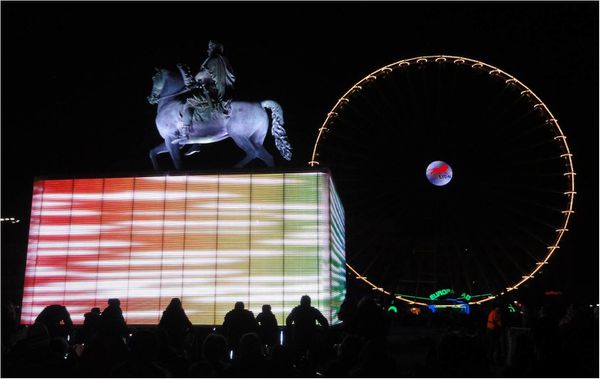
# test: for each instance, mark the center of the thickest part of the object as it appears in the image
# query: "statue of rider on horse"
(198, 109)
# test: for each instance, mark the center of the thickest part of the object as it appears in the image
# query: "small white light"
(281, 337)
(230, 354)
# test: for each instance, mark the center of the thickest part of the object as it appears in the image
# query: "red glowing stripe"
(438, 170)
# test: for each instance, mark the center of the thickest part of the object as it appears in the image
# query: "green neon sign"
(440, 293)
(448, 291)
(393, 308)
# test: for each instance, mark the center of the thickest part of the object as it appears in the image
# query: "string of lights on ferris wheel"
(509, 80)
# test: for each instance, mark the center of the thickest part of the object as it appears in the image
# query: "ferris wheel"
(456, 178)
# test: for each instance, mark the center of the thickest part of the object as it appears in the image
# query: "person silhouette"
(112, 322)
(238, 322)
(213, 361)
(302, 323)
(267, 326)
(57, 320)
(91, 323)
(175, 323)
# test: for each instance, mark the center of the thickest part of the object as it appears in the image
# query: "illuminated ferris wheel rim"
(509, 80)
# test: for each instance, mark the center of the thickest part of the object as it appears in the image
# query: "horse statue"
(247, 124)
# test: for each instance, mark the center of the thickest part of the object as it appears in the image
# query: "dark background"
(75, 77)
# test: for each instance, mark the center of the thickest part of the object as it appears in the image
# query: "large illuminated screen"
(208, 239)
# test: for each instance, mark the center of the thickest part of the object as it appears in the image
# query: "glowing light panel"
(210, 240)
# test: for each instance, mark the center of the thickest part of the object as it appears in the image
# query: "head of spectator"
(305, 301)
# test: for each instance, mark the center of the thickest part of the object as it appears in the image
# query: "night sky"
(75, 77)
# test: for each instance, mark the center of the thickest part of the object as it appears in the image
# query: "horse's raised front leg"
(174, 152)
(154, 152)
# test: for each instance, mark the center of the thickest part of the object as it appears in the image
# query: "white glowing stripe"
(256, 180)
(204, 179)
(62, 253)
(220, 223)
(74, 212)
(113, 284)
(73, 229)
(48, 271)
(50, 203)
(276, 180)
(301, 217)
(159, 223)
(153, 293)
(162, 214)
(290, 241)
(158, 262)
(307, 233)
(140, 195)
(101, 243)
(258, 206)
(58, 299)
(169, 179)
(38, 288)
(191, 275)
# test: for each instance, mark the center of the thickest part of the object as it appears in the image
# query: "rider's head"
(215, 47)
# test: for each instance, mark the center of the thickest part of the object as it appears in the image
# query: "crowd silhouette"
(488, 342)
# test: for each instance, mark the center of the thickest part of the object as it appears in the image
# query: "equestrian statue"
(198, 109)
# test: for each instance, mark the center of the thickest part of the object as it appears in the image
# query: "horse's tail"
(277, 129)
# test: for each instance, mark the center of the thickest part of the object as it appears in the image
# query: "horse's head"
(158, 84)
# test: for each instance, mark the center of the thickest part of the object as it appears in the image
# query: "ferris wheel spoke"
(535, 146)
(542, 244)
(403, 101)
(494, 261)
(456, 228)
(538, 206)
(498, 232)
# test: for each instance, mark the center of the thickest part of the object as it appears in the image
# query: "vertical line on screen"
(283, 250)
(185, 199)
(216, 250)
(249, 239)
(319, 215)
(162, 252)
(37, 246)
(130, 246)
(68, 240)
(330, 245)
(99, 243)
